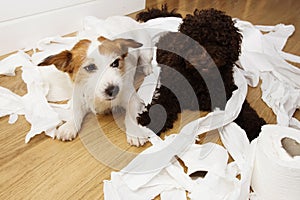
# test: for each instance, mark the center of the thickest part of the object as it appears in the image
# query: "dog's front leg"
(68, 131)
(136, 134)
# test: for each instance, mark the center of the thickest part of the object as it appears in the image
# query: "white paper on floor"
(11, 104)
(44, 84)
(262, 58)
(156, 171)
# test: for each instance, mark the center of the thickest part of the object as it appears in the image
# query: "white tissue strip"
(236, 142)
(276, 175)
(8, 65)
(11, 104)
(37, 110)
(149, 85)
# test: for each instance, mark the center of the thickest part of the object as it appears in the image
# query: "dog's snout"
(112, 90)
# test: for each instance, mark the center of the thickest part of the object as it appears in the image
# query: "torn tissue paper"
(44, 84)
(11, 104)
(37, 110)
(8, 65)
(262, 58)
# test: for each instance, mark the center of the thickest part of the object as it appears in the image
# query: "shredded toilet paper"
(44, 84)
(8, 65)
(263, 164)
(262, 58)
(11, 104)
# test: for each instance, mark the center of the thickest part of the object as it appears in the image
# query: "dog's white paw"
(140, 137)
(147, 69)
(66, 132)
(136, 141)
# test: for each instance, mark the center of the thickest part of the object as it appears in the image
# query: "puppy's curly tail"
(156, 13)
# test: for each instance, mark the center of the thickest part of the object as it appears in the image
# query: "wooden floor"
(50, 169)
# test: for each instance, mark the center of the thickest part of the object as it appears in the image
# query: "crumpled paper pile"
(44, 85)
(156, 171)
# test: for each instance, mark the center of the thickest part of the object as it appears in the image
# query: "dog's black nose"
(112, 90)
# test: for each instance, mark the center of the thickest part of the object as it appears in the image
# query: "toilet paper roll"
(276, 173)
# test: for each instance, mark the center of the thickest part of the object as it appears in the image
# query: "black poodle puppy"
(196, 70)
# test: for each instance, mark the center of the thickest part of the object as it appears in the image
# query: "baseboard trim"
(25, 32)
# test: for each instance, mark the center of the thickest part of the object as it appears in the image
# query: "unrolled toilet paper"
(276, 174)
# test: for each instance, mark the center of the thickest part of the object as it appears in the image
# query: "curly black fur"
(196, 71)
(155, 13)
(215, 31)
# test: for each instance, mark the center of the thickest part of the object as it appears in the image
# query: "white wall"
(23, 23)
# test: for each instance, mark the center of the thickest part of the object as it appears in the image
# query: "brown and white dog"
(102, 71)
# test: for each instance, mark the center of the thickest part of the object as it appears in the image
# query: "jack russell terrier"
(102, 71)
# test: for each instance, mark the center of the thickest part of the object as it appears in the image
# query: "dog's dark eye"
(115, 64)
(90, 67)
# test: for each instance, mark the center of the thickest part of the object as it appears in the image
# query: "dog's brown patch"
(117, 46)
(122, 65)
(79, 53)
(69, 61)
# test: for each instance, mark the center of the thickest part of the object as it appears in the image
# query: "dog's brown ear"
(69, 61)
(126, 43)
(119, 46)
(61, 60)
(81, 46)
